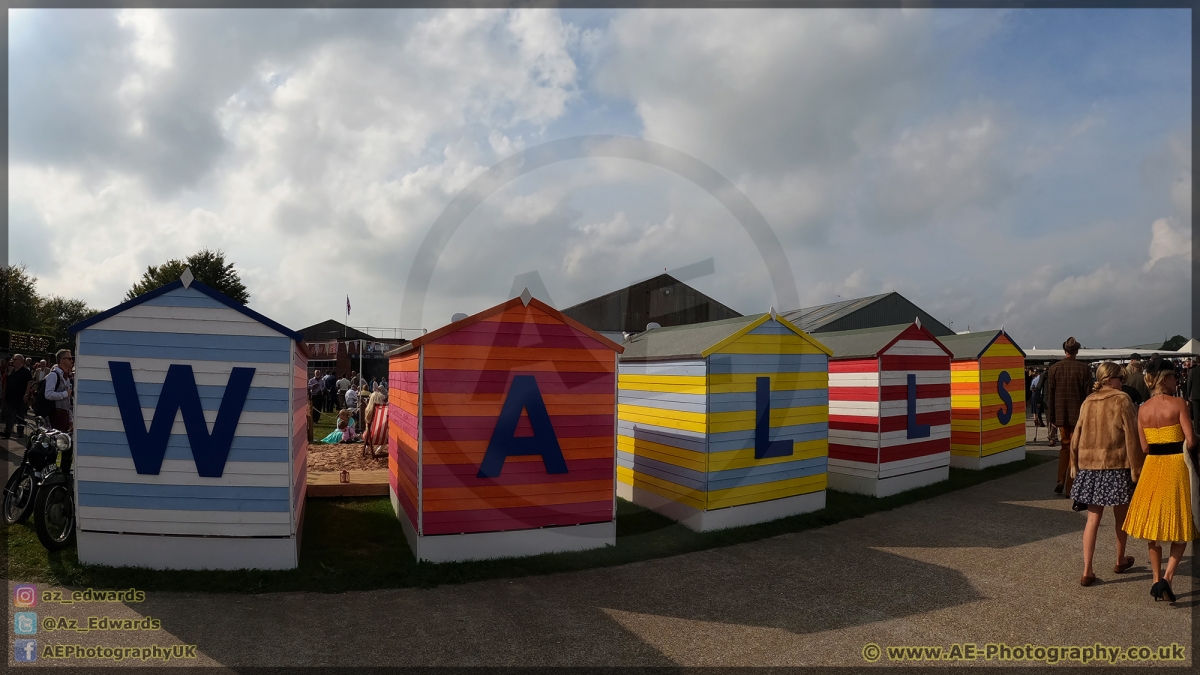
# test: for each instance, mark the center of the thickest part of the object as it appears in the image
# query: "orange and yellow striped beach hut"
(987, 399)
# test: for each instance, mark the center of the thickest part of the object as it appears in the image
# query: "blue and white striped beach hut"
(190, 422)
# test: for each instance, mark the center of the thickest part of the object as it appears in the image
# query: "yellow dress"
(1163, 506)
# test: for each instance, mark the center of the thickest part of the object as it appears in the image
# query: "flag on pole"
(347, 305)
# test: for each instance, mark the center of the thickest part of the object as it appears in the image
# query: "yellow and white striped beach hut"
(724, 423)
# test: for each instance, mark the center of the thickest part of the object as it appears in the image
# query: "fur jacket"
(1107, 434)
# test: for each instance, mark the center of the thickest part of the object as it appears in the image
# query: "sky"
(1029, 169)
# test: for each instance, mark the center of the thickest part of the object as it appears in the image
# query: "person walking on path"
(1105, 460)
(1135, 377)
(1164, 505)
(15, 390)
(1068, 383)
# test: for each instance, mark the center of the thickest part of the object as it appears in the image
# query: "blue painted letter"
(914, 430)
(764, 447)
(1006, 414)
(523, 394)
(179, 393)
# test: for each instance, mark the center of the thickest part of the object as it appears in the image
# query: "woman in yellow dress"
(1164, 506)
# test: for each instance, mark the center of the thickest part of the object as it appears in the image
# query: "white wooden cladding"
(248, 499)
(194, 320)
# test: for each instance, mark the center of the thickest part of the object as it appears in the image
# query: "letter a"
(764, 447)
(914, 430)
(1006, 414)
(522, 395)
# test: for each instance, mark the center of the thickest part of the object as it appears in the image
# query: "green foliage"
(1174, 344)
(27, 312)
(56, 314)
(208, 267)
(18, 293)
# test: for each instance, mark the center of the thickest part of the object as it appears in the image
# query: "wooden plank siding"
(686, 427)
(868, 409)
(403, 434)
(662, 442)
(258, 493)
(448, 393)
(799, 374)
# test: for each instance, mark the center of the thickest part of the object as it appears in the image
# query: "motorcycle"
(54, 506)
(20, 492)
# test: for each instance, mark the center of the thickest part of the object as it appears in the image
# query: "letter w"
(179, 393)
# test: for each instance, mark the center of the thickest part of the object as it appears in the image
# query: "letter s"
(1006, 414)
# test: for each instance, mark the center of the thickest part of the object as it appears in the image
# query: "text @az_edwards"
(1096, 653)
(99, 623)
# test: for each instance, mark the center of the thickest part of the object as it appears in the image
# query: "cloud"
(1168, 239)
(933, 172)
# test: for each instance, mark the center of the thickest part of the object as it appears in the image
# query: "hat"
(1135, 357)
(1071, 345)
(1159, 364)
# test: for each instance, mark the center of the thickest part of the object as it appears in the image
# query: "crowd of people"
(45, 390)
(360, 407)
(1127, 437)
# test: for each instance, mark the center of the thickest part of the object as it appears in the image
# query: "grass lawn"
(357, 544)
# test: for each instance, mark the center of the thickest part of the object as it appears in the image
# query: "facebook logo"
(25, 623)
(25, 651)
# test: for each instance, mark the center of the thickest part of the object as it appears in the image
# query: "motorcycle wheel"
(19, 497)
(54, 517)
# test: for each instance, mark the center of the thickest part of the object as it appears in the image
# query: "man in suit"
(1068, 382)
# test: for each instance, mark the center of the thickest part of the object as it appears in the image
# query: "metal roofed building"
(987, 399)
(875, 311)
(663, 300)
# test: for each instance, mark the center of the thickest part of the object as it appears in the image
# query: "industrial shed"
(663, 300)
(876, 311)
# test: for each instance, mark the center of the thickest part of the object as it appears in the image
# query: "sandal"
(1087, 581)
(1125, 564)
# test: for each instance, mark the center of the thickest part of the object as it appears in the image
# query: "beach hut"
(987, 399)
(724, 423)
(501, 435)
(190, 434)
(889, 409)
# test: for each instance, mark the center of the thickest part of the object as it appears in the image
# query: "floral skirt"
(1102, 487)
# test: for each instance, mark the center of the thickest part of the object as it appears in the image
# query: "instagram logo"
(25, 595)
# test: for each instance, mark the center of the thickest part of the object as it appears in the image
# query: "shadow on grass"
(357, 544)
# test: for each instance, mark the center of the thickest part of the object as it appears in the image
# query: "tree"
(18, 293)
(1174, 344)
(208, 267)
(56, 314)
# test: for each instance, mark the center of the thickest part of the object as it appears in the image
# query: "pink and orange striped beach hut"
(502, 435)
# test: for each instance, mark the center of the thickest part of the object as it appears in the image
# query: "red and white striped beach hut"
(889, 409)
